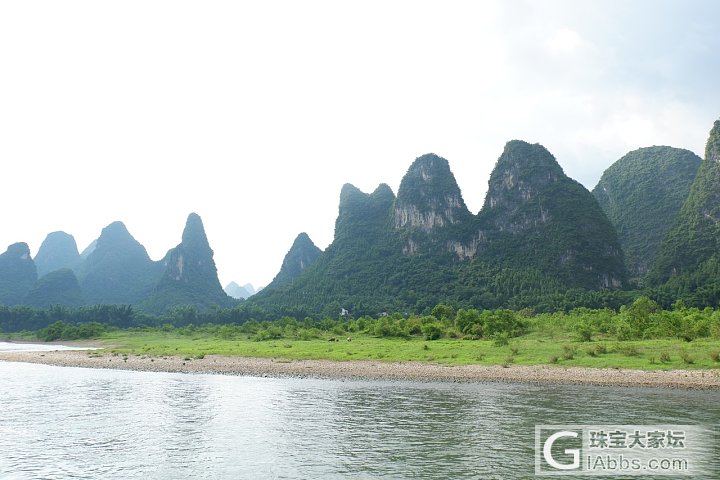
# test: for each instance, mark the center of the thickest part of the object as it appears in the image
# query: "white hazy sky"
(253, 114)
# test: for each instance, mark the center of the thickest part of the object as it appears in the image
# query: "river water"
(59, 422)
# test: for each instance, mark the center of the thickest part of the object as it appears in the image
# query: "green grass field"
(531, 349)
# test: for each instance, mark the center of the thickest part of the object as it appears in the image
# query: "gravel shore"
(272, 367)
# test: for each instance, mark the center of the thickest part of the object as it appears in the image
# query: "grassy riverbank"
(531, 349)
(638, 336)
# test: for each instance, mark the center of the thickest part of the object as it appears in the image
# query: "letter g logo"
(547, 451)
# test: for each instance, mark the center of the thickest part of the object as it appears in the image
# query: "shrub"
(584, 331)
(443, 312)
(469, 321)
(307, 333)
(272, 332)
(686, 358)
(569, 352)
(433, 331)
(503, 321)
(501, 339)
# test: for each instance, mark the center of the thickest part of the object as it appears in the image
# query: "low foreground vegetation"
(641, 336)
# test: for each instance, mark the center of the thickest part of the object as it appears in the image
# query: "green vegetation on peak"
(18, 274)
(301, 255)
(712, 148)
(430, 215)
(59, 287)
(535, 218)
(57, 251)
(689, 258)
(190, 275)
(194, 238)
(520, 172)
(424, 247)
(362, 214)
(642, 194)
(429, 187)
(118, 270)
(383, 193)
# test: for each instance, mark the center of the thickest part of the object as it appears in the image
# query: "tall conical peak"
(116, 237)
(301, 255)
(520, 172)
(521, 154)
(535, 214)
(194, 237)
(428, 179)
(712, 149)
(113, 234)
(302, 240)
(118, 269)
(429, 196)
(57, 251)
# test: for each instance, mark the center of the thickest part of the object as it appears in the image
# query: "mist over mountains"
(541, 240)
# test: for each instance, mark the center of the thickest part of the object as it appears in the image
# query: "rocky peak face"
(57, 251)
(192, 259)
(190, 275)
(194, 238)
(536, 216)
(429, 196)
(521, 173)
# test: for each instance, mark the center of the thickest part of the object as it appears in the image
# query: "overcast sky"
(254, 114)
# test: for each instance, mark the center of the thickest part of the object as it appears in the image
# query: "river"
(60, 422)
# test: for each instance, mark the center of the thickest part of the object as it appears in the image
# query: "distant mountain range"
(116, 269)
(240, 292)
(541, 240)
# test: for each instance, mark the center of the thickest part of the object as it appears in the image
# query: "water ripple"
(67, 423)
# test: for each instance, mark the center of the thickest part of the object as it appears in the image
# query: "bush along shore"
(639, 336)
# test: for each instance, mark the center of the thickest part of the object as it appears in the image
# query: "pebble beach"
(416, 371)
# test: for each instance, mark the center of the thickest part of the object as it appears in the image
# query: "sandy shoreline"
(360, 369)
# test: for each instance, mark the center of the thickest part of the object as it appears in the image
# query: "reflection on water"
(81, 423)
